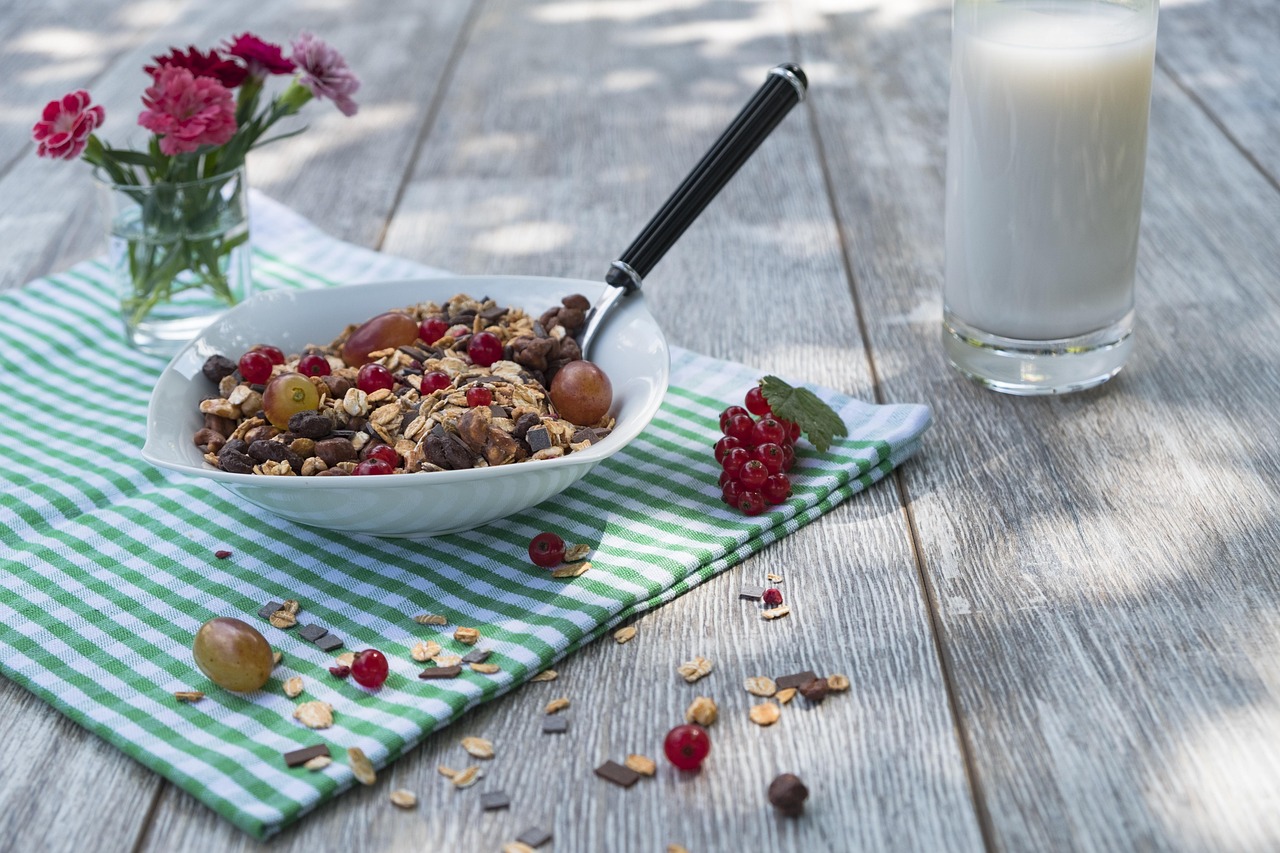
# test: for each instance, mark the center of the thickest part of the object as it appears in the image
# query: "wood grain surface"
(1061, 619)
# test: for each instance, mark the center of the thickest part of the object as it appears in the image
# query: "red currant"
(768, 431)
(788, 457)
(772, 597)
(374, 465)
(735, 459)
(546, 550)
(255, 367)
(728, 413)
(752, 474)
(370, 668)
(385, 452)
(776, 489)
(793, 430)
(432, 329)
(731, 492)
(314, 364)
(756, 402)
(374, 377)
(771, 455)
(435, 380)
(273, 353)
(724, 445)
(751, 502)
(741, 427)
(478, 395)
(687, 746)
(484, 348)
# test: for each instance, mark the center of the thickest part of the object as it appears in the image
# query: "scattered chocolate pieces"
(752, 593)
(265, 611)
(477, 656)
(299, 757)
(787, 794)
(328, 643)
(534, 836)
(493, 800)
(222, 554)
(538, 438)
(796, 679)
(311, 633)
(618, 774)
(440, 672)
(555, 725)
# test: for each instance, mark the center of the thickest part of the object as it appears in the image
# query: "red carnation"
(211, 64)
(262, 57)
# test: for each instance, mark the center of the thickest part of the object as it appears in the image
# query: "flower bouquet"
(177, 210)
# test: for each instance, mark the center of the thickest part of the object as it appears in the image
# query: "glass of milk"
(1048, 138)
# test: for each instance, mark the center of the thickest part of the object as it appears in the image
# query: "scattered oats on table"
(293, 687)
(786, 694)
(361, 766)
(761, 685)
(425, 651)
(314, 714)
(445, 659)
(772, 578)
(546, 675)
(517, 847)
(466, 778)
(776, 612)
(478, 747)
(694, 669)
(467, 636)
(556, 705)
(642, 764)
(624, 634)
(276, 658)
(574, 553)
(764, 714)
(838, 683)
(403, 799)
(345, 659)
(702, 711)
(486, 668)
(318, 763)
(571, 570)
(446, 772)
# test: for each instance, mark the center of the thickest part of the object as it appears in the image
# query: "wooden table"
(1061, 619)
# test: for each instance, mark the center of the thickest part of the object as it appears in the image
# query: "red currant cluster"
(755, 455)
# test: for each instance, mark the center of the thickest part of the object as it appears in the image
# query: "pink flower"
(188, 111)
(226, 72)
(64, 128)
(262, 57)
(325, 73)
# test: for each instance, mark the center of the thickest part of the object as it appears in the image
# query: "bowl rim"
(588, 457)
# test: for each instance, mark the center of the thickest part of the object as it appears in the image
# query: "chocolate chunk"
(525, 422)
(234, 461)
(217, 366)
(301, 756)
(618, 774)
(441, 672)
(555, 725)
(477, 656)
(491, 800)
(310, 424)
(534, 836)
(752, 593)
(311, 633)
(267, 609)
(815, 691)
(328, 643)
(787, 794)
(538, 438)
(798, 679)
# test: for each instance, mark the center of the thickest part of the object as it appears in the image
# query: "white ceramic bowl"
(630, 349)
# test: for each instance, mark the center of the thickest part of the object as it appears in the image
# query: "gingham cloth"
(108, 566)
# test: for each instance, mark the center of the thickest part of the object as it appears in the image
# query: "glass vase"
(179, 255)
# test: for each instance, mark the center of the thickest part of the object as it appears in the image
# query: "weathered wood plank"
(1101, 565)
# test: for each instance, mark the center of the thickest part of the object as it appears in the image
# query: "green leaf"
(817, 420)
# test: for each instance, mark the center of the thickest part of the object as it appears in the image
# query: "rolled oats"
(776, 612)
(446, 772)
(556, 705)
(293, 687)
(624, 634)
(444, 659)
(478, 747)
(546, 675)
(361, 766)
(787, 694)
(517, 847)
(643, 765)
(400, 798)
(486, 668)
(772, 578)
(318, 763)
(760, 685)
(764, 714)
(702, 711)
(466, 778)
(694, 669)
(467, 636)
(425, 651)
(574, 553)
(571, 570)
(314, 714)
(345, 659)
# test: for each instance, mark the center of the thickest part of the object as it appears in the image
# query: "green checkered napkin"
(107, 564)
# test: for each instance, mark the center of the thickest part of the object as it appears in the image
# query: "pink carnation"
(187, 111)
(325, 73)
(64, 128)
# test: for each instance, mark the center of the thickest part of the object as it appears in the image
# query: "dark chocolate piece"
(477, 656)
(618, 774)
(753, 593)
(798, 679)
(555, 725)
(491, 800)
(441, 672)
(311, 633)
(301, 756)
(534, 836)
(328, 642)
(267, 609)
(538, 438)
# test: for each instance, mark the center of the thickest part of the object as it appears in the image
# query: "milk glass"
(1046, 149)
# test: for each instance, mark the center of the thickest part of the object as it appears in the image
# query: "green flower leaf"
(817, 420)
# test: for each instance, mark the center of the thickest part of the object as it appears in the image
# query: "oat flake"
(556, 705)
(478, 747)
(466, 778)
(293, 687)
(624, 634)
(764, 714)
(694, 669)
(546, 675)
(318, 763)
(314, 715)
(761, 685)
(361, 766)
(403, 799)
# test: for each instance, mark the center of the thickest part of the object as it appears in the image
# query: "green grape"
(386, 331)
(286, 395)
(582, 393)
(233, 654)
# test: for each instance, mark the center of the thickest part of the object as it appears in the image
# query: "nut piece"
(546, 675)
(466, 778)
(761, 685)
(574, 553)
(314, 715)
(776, 612)
(293, 687)
(446, 660)
(431, 619)
(403, 799)
(692, 670)
(188, 695)
(764, 714)
(478, 747)
(320, 762)
(786, 695)
(361, 766)
(467, 636)
(642, 764)
(287, 615)
(624, 634)
(788, 793)
(702, 711)
(423, 652)
(486, 668)
(837, 683)
(556, 705)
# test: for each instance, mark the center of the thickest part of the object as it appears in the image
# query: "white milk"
(1048, 137)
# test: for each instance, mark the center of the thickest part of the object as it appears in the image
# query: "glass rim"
(105, 181)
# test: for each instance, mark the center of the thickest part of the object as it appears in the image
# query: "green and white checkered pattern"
(107, 564)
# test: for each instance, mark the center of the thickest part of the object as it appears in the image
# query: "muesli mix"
(429, 387)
